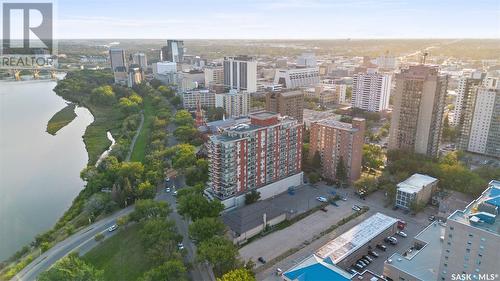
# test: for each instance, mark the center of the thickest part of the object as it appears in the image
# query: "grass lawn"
(122, 256)
(62, 118)
(95, 137)
(139, 150)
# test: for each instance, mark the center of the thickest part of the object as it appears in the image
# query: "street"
(83, 239)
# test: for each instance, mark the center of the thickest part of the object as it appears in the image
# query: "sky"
(277, 19)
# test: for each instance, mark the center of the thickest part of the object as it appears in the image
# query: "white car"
(321, 199)
(167, 179)
(174, 193)
(167, 189)
(112, 228)
(356, 208)
(402, 234)
(180, 246)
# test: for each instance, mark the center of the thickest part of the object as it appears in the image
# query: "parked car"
(352, 270)
(167, 179)
(373, 254)
(358, 266)
(432, 218)
(343, 198)
(321, 199)
(365, 261)
(180, 246)
(174, 193)
(368, 258)
(391, 240)
(279, 272)
(381, 247)
(363, 264)
(167, 189)
(402, 234)
(356, 208)
(324, 209)
(261, 259)
(112, 228)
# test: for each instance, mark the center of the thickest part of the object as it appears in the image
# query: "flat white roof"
(415, 183)
(344, 245)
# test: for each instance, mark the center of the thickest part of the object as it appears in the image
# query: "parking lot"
(277, 243)
(375, 201)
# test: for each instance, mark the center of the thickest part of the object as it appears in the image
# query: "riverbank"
(62, 118)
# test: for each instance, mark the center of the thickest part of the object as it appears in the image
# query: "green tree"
(205, 228)
(316, 161)
(185, 133)
(373, 156)
(252, 197)
(172, 270)
(195, 206)
(214, 113)
(148, 208)
(72, 268)
(159, 239)
(183, 118)
(220, 253)
(341, 172)
(127, 106)
(103, 95)
(239, 274)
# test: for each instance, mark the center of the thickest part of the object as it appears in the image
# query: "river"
(39, 173)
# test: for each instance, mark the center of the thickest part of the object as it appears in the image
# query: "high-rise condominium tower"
(417, 118)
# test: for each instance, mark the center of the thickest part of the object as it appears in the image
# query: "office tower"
(117, 58)
(135, 75)
(484, 137)
(173, 52)
(214, 75)
(371, 91)
(140, 60)
(235, 104)
(471, 238)
(417, 118)
(306, 60)
(286, 104)
(253, 155)
(240, 73)
(297, 77)
(335, 140)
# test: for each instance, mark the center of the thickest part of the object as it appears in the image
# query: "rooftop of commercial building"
(482, 212)
(291, 93)
(263, 114)
(333, 123)
(422, 259)
(344, 245)
(415, 183)
(314, 268)
(248, 217)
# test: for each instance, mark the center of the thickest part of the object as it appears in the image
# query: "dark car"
(381, 247)
(373, 254)
(324, 209)
(261, 259)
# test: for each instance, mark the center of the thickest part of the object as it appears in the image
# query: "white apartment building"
(484, 135)
(297, 77)
(205, 97)
(386, 62)
(371, 91)
(236, 104)
(240, 73)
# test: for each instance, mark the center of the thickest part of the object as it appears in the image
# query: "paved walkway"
(134, 139)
